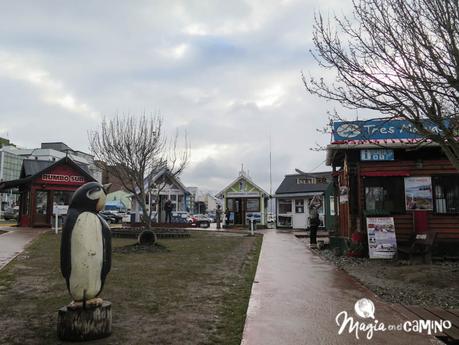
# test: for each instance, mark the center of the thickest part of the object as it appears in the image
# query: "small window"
(230, 204)
(253, 205)
(446, 193)
(299, 206)
(285, 206)
(384, 196)
(332, 205)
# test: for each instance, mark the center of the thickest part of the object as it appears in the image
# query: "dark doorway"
(42, 208)
(237, 206)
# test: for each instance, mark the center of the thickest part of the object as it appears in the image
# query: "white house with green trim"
(243, 199)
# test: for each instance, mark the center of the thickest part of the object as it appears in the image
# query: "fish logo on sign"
(348, 130)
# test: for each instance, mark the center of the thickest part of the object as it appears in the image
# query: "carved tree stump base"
(85, 324)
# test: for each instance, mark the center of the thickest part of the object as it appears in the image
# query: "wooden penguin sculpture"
(86, 245)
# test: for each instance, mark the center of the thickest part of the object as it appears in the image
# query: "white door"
(299, 218)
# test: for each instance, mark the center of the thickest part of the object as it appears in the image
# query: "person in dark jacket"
(218, 216)
(314, 220)
(168, 208)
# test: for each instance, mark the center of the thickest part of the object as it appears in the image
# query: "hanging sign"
(62, 178)
(382, 242)
(242, 194)
(343, 194)
(380, 129)
(377, 155)
(418, 193)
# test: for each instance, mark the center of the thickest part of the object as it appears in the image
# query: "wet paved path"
(13, 243)
(297, 295)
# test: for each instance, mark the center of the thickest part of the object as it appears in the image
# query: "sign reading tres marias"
(378, 129)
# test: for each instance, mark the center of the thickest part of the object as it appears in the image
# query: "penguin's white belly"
(86, 257)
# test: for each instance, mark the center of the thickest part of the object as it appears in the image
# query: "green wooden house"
(244, 200)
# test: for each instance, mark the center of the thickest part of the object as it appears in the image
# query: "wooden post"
(85, 324)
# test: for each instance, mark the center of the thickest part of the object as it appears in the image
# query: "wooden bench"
(419, 245)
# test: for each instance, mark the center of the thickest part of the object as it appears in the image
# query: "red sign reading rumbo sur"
(62, 178)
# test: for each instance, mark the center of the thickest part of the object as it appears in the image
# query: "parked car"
(11, 213)
(200, 221)
(111, 217)
(212, 217)
(181, 217)
(115, 207)
(126, 217)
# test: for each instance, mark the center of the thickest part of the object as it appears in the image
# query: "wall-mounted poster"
(343, 194)
(382, 243)
(418, 193)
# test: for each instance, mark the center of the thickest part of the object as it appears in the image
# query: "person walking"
(218, 216)
(168, 208)
(314, 220)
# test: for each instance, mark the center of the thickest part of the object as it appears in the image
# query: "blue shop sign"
(377, 155)
(378, 129)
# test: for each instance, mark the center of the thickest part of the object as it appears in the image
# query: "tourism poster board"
(418, 193)
(343, 194)
(382, 243)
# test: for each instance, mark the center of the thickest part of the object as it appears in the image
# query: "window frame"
(299, 206)
(285, 201)
(435, 184)
(257, 200)
(397, 194)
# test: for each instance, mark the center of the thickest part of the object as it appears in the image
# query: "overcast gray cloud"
(227, 72)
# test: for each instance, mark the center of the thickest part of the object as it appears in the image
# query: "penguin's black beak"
(106, 187)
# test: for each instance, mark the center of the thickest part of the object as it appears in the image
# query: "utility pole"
(270, 174)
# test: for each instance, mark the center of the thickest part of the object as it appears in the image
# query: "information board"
(382, 242)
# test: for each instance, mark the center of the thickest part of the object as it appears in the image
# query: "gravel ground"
(396, 281)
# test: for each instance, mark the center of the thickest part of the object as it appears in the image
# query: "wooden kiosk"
(44, 184)
(242, 200)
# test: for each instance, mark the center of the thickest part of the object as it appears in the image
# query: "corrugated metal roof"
(31, 167)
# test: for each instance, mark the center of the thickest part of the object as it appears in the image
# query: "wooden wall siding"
(429, 167)
(403, 226)
(447, 226)
(343, 228)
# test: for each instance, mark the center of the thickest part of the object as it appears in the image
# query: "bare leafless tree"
(398, 57)
(136, 150)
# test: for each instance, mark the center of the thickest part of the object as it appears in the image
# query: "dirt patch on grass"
(397, 281)
(191, 291)
(141, 248)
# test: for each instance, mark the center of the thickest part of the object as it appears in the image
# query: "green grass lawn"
(195, 291)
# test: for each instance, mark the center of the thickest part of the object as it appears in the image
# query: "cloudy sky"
(227, 72)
